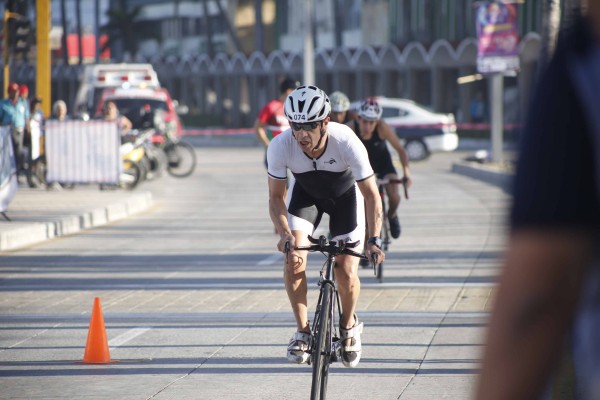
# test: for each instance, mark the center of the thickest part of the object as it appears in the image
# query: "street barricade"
(83, 152)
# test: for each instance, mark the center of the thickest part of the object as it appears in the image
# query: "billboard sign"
(498, 37)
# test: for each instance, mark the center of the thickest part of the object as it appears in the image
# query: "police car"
(421, 131)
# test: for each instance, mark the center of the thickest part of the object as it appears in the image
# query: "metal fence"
(233, 88)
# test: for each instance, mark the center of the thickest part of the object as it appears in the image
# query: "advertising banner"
(498, 37)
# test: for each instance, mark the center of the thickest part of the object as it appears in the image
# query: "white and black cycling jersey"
(344, 161)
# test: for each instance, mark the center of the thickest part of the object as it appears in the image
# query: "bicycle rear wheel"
(182, 159)
(321, 351)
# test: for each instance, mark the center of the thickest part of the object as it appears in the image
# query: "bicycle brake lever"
(374, 263)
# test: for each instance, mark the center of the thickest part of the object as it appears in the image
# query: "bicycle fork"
(336, 344)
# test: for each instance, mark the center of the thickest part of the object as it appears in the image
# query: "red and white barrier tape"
(245, 131)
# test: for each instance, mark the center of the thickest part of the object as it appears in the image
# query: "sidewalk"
(37, 215)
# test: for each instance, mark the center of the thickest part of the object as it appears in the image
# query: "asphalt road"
(195, 308)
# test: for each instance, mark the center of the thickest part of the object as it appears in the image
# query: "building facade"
(224, 57)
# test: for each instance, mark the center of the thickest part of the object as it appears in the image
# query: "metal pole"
(43, 67)
(309, 56)
(97, 30)
(5, 56)
(496, 101)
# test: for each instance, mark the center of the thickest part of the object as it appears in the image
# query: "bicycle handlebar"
(401, 181)
(333, 247)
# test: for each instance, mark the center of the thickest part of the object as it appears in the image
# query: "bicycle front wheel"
(321, 351)
(131, 175)
(182, 159)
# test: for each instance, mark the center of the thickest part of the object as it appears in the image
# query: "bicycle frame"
(325, 348)
(385, 226)
(324, 330)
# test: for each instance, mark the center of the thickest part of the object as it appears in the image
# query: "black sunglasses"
(307, 126)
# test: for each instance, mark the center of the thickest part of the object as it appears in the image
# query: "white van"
(97, 77)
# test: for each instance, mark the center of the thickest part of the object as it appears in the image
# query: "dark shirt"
(555, 182)
(379, 155)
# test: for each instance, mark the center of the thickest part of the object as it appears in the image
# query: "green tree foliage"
(124, 26)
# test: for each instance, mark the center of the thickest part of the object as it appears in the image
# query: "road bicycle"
(386, 237)
(326, 346)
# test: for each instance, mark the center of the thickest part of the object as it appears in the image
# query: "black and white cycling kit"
(326, 184)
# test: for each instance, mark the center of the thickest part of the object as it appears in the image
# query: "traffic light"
(22, 36)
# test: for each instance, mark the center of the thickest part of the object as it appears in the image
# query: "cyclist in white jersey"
(332, 175)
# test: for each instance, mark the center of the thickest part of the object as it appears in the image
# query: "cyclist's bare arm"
(374, 214)
(261, 134)
(387, 132)
(278, 212)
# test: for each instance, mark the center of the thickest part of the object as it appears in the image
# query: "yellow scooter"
(133, 153)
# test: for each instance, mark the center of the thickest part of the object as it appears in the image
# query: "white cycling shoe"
(351, 353)
(298, 350)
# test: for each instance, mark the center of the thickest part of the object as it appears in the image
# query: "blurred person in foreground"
(271, 120)
(549, 291)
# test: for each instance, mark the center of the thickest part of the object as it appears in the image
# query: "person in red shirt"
(271, 120)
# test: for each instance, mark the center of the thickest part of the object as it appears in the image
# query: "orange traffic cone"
(96, 349)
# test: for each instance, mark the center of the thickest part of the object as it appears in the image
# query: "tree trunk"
(259, 27)
(79, 38)
(209, 40)
(63, 22)
(338, 13)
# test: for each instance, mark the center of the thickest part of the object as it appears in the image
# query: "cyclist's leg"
(393, 193)
(347, 222)
(303, 216)
(295, 281)
(349, 290)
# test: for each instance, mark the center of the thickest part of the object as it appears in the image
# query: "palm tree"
(63, 39)
(79, 32)
(124, 28)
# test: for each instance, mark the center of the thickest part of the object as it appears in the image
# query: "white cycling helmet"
(307, 104)
(339, 102)
(370, 109)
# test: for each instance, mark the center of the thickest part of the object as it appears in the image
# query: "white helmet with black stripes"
(307, 104)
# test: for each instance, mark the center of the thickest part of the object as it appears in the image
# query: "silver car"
(421, 131)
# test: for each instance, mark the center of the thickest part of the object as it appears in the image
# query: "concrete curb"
(483, 173)
(32, 233)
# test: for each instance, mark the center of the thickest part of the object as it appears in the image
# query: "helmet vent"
(312, 103)
(291, 102)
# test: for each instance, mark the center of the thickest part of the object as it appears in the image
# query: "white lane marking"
(228, 285)
(126, 337)
(272, 259)
(238, 317)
